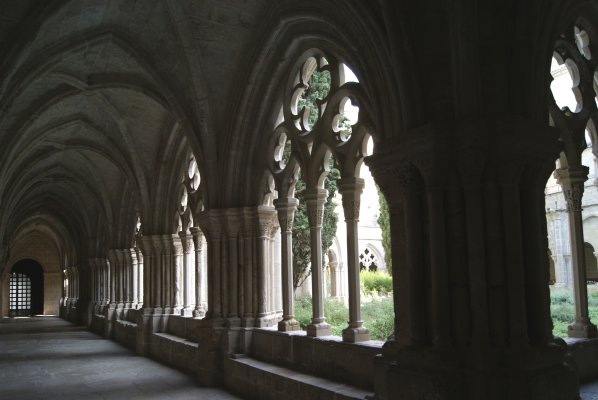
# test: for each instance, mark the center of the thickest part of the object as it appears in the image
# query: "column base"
(145, 328)
(582, 330)
(319, 329)
(289, 325)
(199, 313)
(111, 315)
(119, 311)
(187, 312)
(354, 335)
(264, 321)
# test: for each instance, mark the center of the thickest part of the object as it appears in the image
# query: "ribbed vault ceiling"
(101, 104)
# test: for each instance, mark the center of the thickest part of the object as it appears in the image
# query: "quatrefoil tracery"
(574, 88)
(311, 131)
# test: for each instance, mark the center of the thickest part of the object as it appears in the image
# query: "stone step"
(267, 381)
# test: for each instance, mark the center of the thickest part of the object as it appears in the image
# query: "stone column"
(92, 282)
(147, 253)
(134, 285)
(103, 271)
(173, 282)
(249, 288)
(232, 224)
(211, 226)
(572, 180)
(112, 261)
(265, 226)
(470, 266)
(100, 264)
(286, 214)
(351, 190)
(334, 279)
(200, 273)
(188, 275)
(126, 270)
(147, 323)
(110, 312)
(140, 278)
(123, 261)
(315, 211)
(157, 274)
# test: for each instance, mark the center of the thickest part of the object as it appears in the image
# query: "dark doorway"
(26, 289)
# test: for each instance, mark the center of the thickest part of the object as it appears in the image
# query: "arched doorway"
(26, 289)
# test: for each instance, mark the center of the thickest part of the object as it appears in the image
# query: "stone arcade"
(149, 152)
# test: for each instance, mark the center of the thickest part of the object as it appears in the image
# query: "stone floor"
(48, 358)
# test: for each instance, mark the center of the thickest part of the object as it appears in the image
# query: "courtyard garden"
(376, 307)
(378, 313)
(563, 309)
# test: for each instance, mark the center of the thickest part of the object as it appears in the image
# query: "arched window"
(368, 260)
(321, 135)
(574, 112)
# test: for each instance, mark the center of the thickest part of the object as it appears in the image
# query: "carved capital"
(172, 245)
(113, 257)
(186, 242)
(572, 180)
(133, 255)
(158, 245)
(286, 213)
(125, 256)
(147, 246)
(197, 238)
(265, 221)
(351, 190)
(211, 223)
(139, 255)
(573, 197)
(249, 218)
(315, 207)
(232, 222)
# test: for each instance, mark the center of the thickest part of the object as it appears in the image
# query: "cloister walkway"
(49, 358)
(46, 358)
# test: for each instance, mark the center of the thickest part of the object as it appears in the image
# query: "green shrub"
(303, 310)
(336, 313)
(378, 316)
(561, 296)
(562, 308)
(375, 282)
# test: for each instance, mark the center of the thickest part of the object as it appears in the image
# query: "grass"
(562, 308)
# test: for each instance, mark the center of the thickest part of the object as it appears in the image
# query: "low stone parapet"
(176, 351)
(259, 380)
